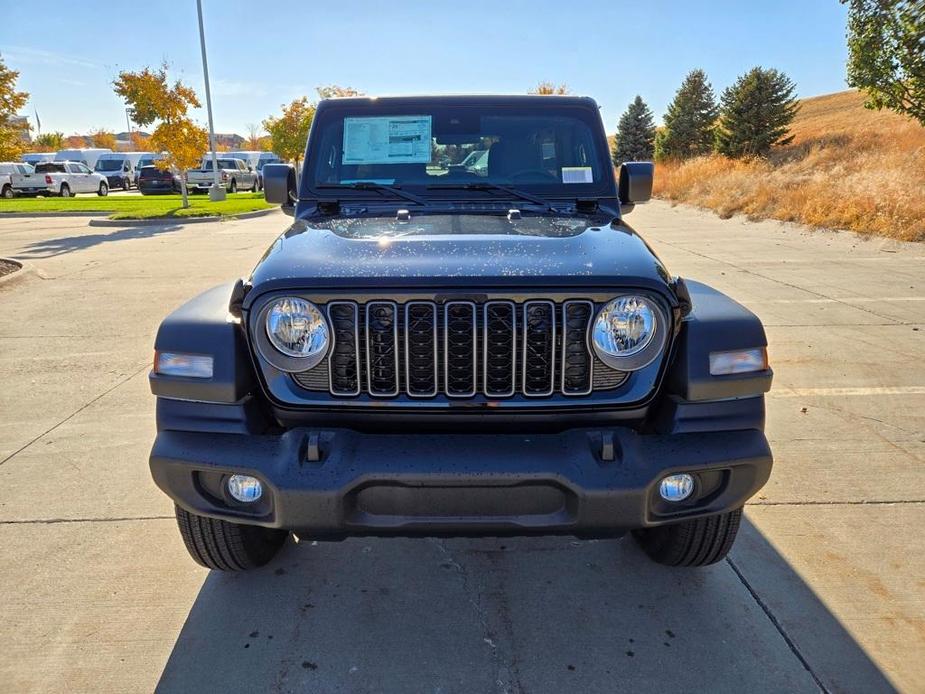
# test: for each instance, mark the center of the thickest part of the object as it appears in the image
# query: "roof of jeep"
(462, 99)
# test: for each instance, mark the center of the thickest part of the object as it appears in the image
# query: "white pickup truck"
(7, 169)
(234, 175)
(60, 178)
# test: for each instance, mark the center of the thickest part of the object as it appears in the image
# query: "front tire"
(103, 191)
(65, 190)
(233, 188)
(696, 542)
(8, 191)
(126, 184)
(225, 546)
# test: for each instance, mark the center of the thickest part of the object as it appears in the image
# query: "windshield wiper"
(379, 187)
(484, 185)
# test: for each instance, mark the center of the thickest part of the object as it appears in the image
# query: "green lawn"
(140, 206)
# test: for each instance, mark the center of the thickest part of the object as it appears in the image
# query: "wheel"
(126, 184)
(696, 542)
(65, 190)
(233, 188)
(104, 190)
(7, 191)
(224, 546)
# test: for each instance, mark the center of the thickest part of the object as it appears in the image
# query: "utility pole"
(216, 192)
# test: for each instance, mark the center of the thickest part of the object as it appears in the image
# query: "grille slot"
(500, 346)
(460, 334)
(577, 363)
(421, 348)
(539, 355)
(382, 348)
(460, 349)
(344, 360)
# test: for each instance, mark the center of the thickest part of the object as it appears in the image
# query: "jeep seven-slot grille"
(460, 349)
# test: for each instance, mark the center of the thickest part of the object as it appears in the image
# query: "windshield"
(49, 167)
(109, 164)
(553, 150)
(222, 164)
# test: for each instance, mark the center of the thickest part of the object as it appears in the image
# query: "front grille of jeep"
(460, 349)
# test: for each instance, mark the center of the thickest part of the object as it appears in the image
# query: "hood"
(458, 251)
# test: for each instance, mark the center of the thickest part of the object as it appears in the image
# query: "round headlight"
(628, 333)
(297, 329)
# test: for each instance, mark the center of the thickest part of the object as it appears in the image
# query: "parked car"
(34, 158)
(61, 178)
(433, 352)
(7, 169)
(147, 159)
(119, 168)
(234, 175)
(256, 160)
(87, 156)
(152, 180)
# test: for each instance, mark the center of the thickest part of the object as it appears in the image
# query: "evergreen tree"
(635, 134)
(688, 130)
(756, 113)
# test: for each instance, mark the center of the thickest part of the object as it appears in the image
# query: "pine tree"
(756, 113)
(635, 134)
(689, 121)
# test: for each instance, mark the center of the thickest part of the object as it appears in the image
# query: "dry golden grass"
(847, 168)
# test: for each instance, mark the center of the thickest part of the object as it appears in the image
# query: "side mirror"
(279, 186)
(635, 183)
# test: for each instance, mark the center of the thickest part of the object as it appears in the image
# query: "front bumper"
(116, 181)
(460, 484)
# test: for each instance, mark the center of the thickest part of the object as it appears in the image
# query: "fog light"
(245, 488)
(676, 487)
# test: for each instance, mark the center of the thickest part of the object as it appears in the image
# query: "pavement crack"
(76, 412)
(859, 502)
(51, 521)
(474, 597)
(894, 321)
(791, 644)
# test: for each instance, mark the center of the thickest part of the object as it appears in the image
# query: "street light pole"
(216, 192)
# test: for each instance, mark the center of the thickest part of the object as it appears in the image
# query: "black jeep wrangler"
(444, 344)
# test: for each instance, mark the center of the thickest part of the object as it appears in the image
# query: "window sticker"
(577, 174)
(387, 140)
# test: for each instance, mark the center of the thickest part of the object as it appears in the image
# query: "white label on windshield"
(387, 140)
(577, 174)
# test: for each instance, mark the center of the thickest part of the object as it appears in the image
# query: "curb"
(16, 275)
(25, 215)
(180, 221)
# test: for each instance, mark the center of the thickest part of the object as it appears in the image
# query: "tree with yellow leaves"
(11, 101)
(48, 142)
(152, 98)
(289, 132)
(550, 89)
(140, 141)
(103, 138)
(184, 143)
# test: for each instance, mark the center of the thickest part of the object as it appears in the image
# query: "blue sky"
(263, 53)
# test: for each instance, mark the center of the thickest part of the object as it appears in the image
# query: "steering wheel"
(536, 175)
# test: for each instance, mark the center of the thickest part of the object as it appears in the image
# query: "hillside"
(847, 168)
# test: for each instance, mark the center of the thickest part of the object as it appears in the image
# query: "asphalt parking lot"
(824, 590)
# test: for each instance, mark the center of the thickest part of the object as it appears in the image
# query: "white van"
(87, 156)
(119, 168)
(34, 158)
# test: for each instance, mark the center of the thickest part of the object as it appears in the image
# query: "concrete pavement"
(824, 589)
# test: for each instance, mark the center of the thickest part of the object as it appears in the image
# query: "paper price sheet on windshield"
(387, 140)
